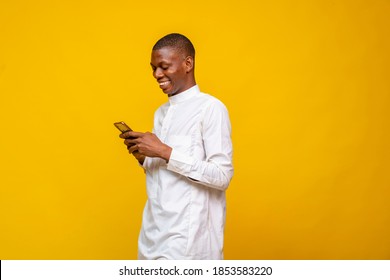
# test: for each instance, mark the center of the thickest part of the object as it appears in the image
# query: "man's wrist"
(166, 153)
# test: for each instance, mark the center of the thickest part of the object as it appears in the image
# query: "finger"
(125, 135)
(132, 149)
(138, 156)
(131, 134)
(130, 141)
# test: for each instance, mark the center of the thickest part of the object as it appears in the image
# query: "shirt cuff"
(180, 162)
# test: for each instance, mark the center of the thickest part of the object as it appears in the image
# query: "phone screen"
(122, 126)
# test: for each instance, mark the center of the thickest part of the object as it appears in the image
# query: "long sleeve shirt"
(184, 216)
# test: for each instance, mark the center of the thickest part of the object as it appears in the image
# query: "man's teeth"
(164, 83)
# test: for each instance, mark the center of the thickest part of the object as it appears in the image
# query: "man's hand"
(138, 156)
(146, 144)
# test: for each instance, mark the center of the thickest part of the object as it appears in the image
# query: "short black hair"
(176, 41)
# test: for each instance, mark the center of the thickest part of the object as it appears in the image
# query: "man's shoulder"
(212, 101)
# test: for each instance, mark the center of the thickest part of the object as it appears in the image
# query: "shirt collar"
(185, 95)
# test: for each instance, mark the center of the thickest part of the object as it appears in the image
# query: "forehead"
(165, 54)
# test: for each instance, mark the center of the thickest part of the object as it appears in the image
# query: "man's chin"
(168, 91)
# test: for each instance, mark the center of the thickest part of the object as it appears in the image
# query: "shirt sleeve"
(216, 171)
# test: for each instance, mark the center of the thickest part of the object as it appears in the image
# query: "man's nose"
(158, 73)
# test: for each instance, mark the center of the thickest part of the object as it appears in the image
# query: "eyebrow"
(161, 63)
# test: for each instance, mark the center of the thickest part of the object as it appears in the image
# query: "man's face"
(170, 70)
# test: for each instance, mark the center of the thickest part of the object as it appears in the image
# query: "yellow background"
(307, 87)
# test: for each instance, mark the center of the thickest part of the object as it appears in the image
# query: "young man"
(187, 159)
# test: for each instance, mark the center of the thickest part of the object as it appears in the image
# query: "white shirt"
(184, 216)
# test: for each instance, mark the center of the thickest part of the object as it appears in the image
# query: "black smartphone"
(122, 126)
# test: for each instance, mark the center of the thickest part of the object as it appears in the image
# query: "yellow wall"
(307, 86)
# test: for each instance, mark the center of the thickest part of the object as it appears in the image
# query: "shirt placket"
(167, 123)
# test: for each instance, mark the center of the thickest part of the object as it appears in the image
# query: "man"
(187, 160)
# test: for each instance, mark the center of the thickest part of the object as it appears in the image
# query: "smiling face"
(172, 70)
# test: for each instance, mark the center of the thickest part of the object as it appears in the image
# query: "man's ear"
(189, 63)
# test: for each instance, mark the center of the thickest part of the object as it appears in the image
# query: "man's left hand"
(147, 144)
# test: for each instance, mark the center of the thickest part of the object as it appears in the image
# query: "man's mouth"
(163, 84)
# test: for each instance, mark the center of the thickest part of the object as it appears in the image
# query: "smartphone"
(122, 127)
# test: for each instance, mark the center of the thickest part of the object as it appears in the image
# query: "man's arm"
(216, 171)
